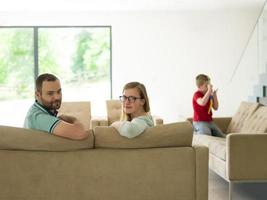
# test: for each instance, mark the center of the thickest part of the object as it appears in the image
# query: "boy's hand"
(215, 91)
(210, 88)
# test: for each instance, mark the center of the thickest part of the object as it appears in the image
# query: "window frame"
(36, 49)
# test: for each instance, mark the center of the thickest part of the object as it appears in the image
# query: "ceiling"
(125, 5)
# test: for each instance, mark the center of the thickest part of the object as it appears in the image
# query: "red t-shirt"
(201, 112)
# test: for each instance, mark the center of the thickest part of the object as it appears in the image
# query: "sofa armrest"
(202, 161)
(98, 121)
(222, 122)
(157, 120)
(178, 134)
(190, 119)
(246, 156)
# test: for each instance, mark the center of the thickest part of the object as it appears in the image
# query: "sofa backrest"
(13, 138)
(257, 122)
(113, 110)
(79, 109)
(245, 110)
(177, 134)
(167, 135)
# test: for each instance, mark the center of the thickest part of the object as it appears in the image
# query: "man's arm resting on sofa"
(246, 156)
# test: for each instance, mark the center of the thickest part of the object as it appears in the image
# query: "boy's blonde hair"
(201, 79)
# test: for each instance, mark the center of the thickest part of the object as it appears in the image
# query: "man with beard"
(43, 113)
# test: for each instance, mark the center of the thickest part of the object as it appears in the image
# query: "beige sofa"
(159, 164)
(79, 109)
(242, 155)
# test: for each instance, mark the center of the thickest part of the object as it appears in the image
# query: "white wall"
(166, 50)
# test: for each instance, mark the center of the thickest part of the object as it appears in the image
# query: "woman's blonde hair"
(143, 94)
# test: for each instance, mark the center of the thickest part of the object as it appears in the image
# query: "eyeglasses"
(131, 99)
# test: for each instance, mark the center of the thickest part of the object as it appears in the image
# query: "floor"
(218, 189)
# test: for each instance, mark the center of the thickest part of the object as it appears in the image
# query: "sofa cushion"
(245, 110)
(79, 109)
(113, 110)
(257, 122)
(216, 145)
(167, 135)
(13, 138)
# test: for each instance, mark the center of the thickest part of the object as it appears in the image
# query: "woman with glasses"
(135, 111)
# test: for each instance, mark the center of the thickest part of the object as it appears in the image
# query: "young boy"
(204, 100)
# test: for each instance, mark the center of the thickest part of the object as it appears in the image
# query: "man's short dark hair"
(44, 77)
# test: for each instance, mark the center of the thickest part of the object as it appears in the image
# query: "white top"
(135, 127)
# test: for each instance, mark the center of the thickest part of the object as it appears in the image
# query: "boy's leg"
(215, 130)
(202, 128)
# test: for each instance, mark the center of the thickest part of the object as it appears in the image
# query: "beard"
(53, 105)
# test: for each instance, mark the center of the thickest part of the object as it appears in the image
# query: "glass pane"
(80, 57)
(16, 74)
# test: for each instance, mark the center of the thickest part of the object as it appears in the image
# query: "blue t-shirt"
(41, 119)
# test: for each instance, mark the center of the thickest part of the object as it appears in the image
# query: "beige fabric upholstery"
(246, 156)
(218, 165)
(222, 123)
(217, 152)
(104, 174)
(32, 140)
(79, 109)
(202, 158)
(114, 112)
(168, 135)
(216, 145)
(36, 165)
(98, 121)
(94, 123)
(256, 123)
(244, 111)
(241, 156)
(157, 120)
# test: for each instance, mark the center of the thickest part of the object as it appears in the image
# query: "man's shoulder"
(35, 110)
(40, 119)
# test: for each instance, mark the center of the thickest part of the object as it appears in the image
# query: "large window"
(79, 56)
